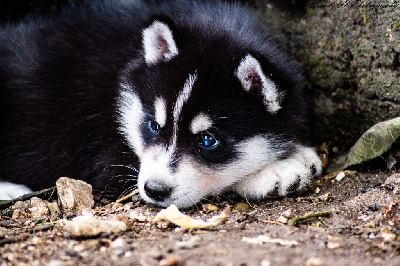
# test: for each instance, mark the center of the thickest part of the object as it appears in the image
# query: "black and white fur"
(189, 99)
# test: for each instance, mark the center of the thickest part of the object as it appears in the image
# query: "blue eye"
(154, 126)
(207, 140)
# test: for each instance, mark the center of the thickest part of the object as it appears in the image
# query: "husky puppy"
(184, 99)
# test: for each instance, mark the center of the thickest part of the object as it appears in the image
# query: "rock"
(207, 208)
(333, 245)
(340, 176)
(54, 209)
(393, 180)
(264, 239)
(241, 207)
(315, 262)
(117, 206)
(191, 243)
(170, 262)
(74, 195)
(118, 246)
(88, 226)
(32, 208)
(282, 219)
(136, 216)
(354, 80)
(265, 262)
(287, 214)
(38, 207)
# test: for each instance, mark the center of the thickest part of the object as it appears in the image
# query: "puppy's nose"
(157, 190)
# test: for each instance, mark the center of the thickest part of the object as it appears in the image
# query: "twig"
(43, 194)
(273, 222)
(128, 197)
(296, 220)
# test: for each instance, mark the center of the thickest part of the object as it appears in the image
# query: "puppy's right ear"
(158, 43)
(253, 80)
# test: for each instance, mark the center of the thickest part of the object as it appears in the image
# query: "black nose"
(157, 191)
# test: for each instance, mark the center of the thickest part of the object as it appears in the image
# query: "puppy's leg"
(282, 178)
(10, 191)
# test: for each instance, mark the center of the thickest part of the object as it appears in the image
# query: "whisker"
(127, 191)
(125, 166)
(135, 177)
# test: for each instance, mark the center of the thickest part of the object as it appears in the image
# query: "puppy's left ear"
(158, 43)
(253, 80)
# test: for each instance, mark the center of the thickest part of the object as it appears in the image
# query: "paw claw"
(289, 177)
(274, 192)
(294, 186)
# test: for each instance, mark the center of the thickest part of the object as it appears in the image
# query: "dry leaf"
(173, 215)
(373, 143)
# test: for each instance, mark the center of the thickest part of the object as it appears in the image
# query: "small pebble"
(315, 262)
(265, 262)
(207, 208)
(117, 206)
(333, 245)
(136, 216)
(373, 207)
(118, 243)
(169, 262)
(54, 209)
(389, 187)
(282, 219)
(287, 214)
(87, 226)
(340, 176)
(241, 207)
(191, 243)
(368, 188)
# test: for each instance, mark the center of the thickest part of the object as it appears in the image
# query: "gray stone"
(88, 226)
(350, 58)
(74, 195)
(32, 208)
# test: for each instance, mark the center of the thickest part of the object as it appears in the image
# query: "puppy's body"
(191, 99)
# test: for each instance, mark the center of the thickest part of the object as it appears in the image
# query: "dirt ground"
(362, 229)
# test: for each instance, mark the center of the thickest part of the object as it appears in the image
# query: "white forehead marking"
(200, 122)
(161, 111)
(180, 101)
(131, 114)
(248, 67)
(184, 96)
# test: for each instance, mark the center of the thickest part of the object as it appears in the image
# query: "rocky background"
(349, 53)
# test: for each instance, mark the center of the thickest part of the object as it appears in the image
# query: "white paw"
(282, 178)
(10, 191)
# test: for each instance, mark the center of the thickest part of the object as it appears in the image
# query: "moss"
(350, 57)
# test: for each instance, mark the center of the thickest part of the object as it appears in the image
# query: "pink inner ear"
(256, 83)
(162, 44)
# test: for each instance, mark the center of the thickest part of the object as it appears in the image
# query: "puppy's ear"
(253, 80)
(158, 43)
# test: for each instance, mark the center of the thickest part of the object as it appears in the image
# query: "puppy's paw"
(286, 177)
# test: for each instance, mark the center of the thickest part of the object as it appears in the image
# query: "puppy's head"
(202, 113)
